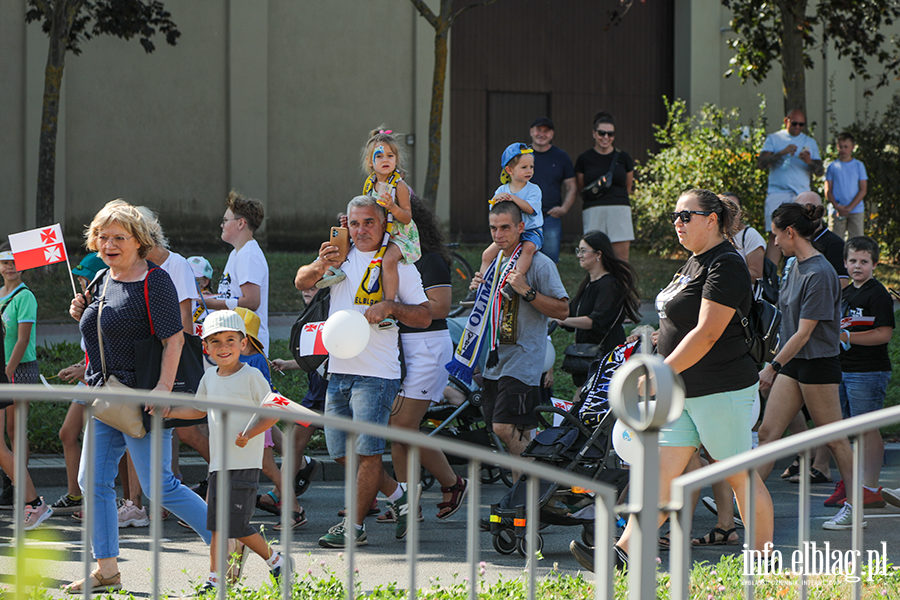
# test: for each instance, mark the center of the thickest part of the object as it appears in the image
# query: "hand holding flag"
(294, 410)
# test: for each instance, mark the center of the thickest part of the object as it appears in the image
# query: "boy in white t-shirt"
(245, 280)
(224, 337)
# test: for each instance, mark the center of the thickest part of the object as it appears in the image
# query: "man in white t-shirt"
(245, 280)
(364, 387)
(790, 156)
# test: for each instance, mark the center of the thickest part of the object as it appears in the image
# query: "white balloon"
(549, 355)
(346, 333)
(625, 442)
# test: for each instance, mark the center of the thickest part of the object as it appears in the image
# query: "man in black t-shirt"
(553, 172)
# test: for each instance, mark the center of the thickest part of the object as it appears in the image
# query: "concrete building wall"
(274, 98)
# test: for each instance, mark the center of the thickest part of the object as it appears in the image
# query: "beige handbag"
(124, 416)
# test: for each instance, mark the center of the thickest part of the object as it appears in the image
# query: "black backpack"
(769, 281)
(761, 328)
(316, 311)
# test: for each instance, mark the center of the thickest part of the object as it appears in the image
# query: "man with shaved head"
(791, 156)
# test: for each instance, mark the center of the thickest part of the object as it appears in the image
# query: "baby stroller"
(581, 445)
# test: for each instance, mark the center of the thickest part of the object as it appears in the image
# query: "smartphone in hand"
(340, 237)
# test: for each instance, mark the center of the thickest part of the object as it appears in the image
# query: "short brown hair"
(126, 216)
(249, 209)
(846, 136)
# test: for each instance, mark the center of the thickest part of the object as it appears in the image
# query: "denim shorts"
(721, 422)
(863, 393)
(535, 236)
(367, 399)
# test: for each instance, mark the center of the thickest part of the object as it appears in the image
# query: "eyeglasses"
(117, 240)
(601, 133)
(685, 215)
(798, 123)
(579, 251)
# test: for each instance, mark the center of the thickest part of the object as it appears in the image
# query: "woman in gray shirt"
(807, 368)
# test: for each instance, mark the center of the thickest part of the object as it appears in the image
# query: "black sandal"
(792, 470)
(712, 539)
(459, 491)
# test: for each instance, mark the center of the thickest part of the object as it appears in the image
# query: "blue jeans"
(552, 237)
(863, 393)
(360, 398)
(109, 447)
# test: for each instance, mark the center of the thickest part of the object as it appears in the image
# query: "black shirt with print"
(873, 301)
(719, 275)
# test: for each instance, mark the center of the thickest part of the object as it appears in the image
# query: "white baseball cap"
(223, 320)
(201, 267)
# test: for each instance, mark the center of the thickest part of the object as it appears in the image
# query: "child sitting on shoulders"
(383, 162)
(224, 338)
(517, 164)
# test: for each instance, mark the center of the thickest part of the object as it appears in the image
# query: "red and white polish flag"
(311, 340)
(38, 247)
(274, 400)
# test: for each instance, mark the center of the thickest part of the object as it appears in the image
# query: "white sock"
(275, 561)
(873, 490)
(397, 493)
(359, 527)
(214, 578)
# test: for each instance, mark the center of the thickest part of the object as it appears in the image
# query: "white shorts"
(775, 200)
(425, 355)
(614, 221)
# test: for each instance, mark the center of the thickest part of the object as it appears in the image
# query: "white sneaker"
(132, 516)
(841, 521)
(34, 516)
(890, 496)
(710, 504)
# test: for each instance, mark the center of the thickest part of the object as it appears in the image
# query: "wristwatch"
(776, 366)
(530, 295)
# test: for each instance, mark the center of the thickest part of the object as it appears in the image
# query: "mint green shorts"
(721, 422)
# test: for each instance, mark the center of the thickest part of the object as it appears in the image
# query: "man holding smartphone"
(791, 156)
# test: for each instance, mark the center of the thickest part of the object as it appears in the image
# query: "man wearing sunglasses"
(791, 156)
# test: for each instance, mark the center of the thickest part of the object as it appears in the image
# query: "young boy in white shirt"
(224, 337)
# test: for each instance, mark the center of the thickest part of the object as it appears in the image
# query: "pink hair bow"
(386, 132)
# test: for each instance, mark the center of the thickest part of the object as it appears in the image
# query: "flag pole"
(69, 268)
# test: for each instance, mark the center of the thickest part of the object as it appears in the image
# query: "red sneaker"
(838, 497)
(873, 499)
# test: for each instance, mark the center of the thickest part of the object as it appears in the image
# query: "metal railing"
(604, 502)
(683, 488)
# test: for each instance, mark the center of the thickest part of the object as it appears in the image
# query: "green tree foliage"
(878, 147)
(68, 23)
(714, 150)
(788, 31)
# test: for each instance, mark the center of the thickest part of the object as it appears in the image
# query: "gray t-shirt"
(812, 291)
(523, 330)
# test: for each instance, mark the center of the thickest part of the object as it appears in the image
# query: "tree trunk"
(436, 116)
(793, 17)
(63, 15)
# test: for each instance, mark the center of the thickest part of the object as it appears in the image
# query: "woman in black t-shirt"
(701, 338)
(606, 296)
(610, 210)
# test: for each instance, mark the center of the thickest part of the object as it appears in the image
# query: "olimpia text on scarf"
(370, 289)
(471, 343)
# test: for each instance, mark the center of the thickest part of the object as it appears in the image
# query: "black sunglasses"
(601, 133)
(798, 123)
(685, 215)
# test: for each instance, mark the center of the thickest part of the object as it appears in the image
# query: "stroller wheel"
(489, 474)
(504, 541)
(587, 535)
(506, 476)
(427, 479)
(522, 546)
(475, 399)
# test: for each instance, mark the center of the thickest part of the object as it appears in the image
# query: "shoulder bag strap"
(100, 329)
(615, 161)
(147, 299)
(9, 301)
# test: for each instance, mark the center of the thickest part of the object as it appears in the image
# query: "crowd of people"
(832, 361)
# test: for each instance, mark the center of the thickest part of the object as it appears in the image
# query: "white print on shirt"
(679, 282)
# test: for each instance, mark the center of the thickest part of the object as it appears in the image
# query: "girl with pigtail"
(383, 162)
